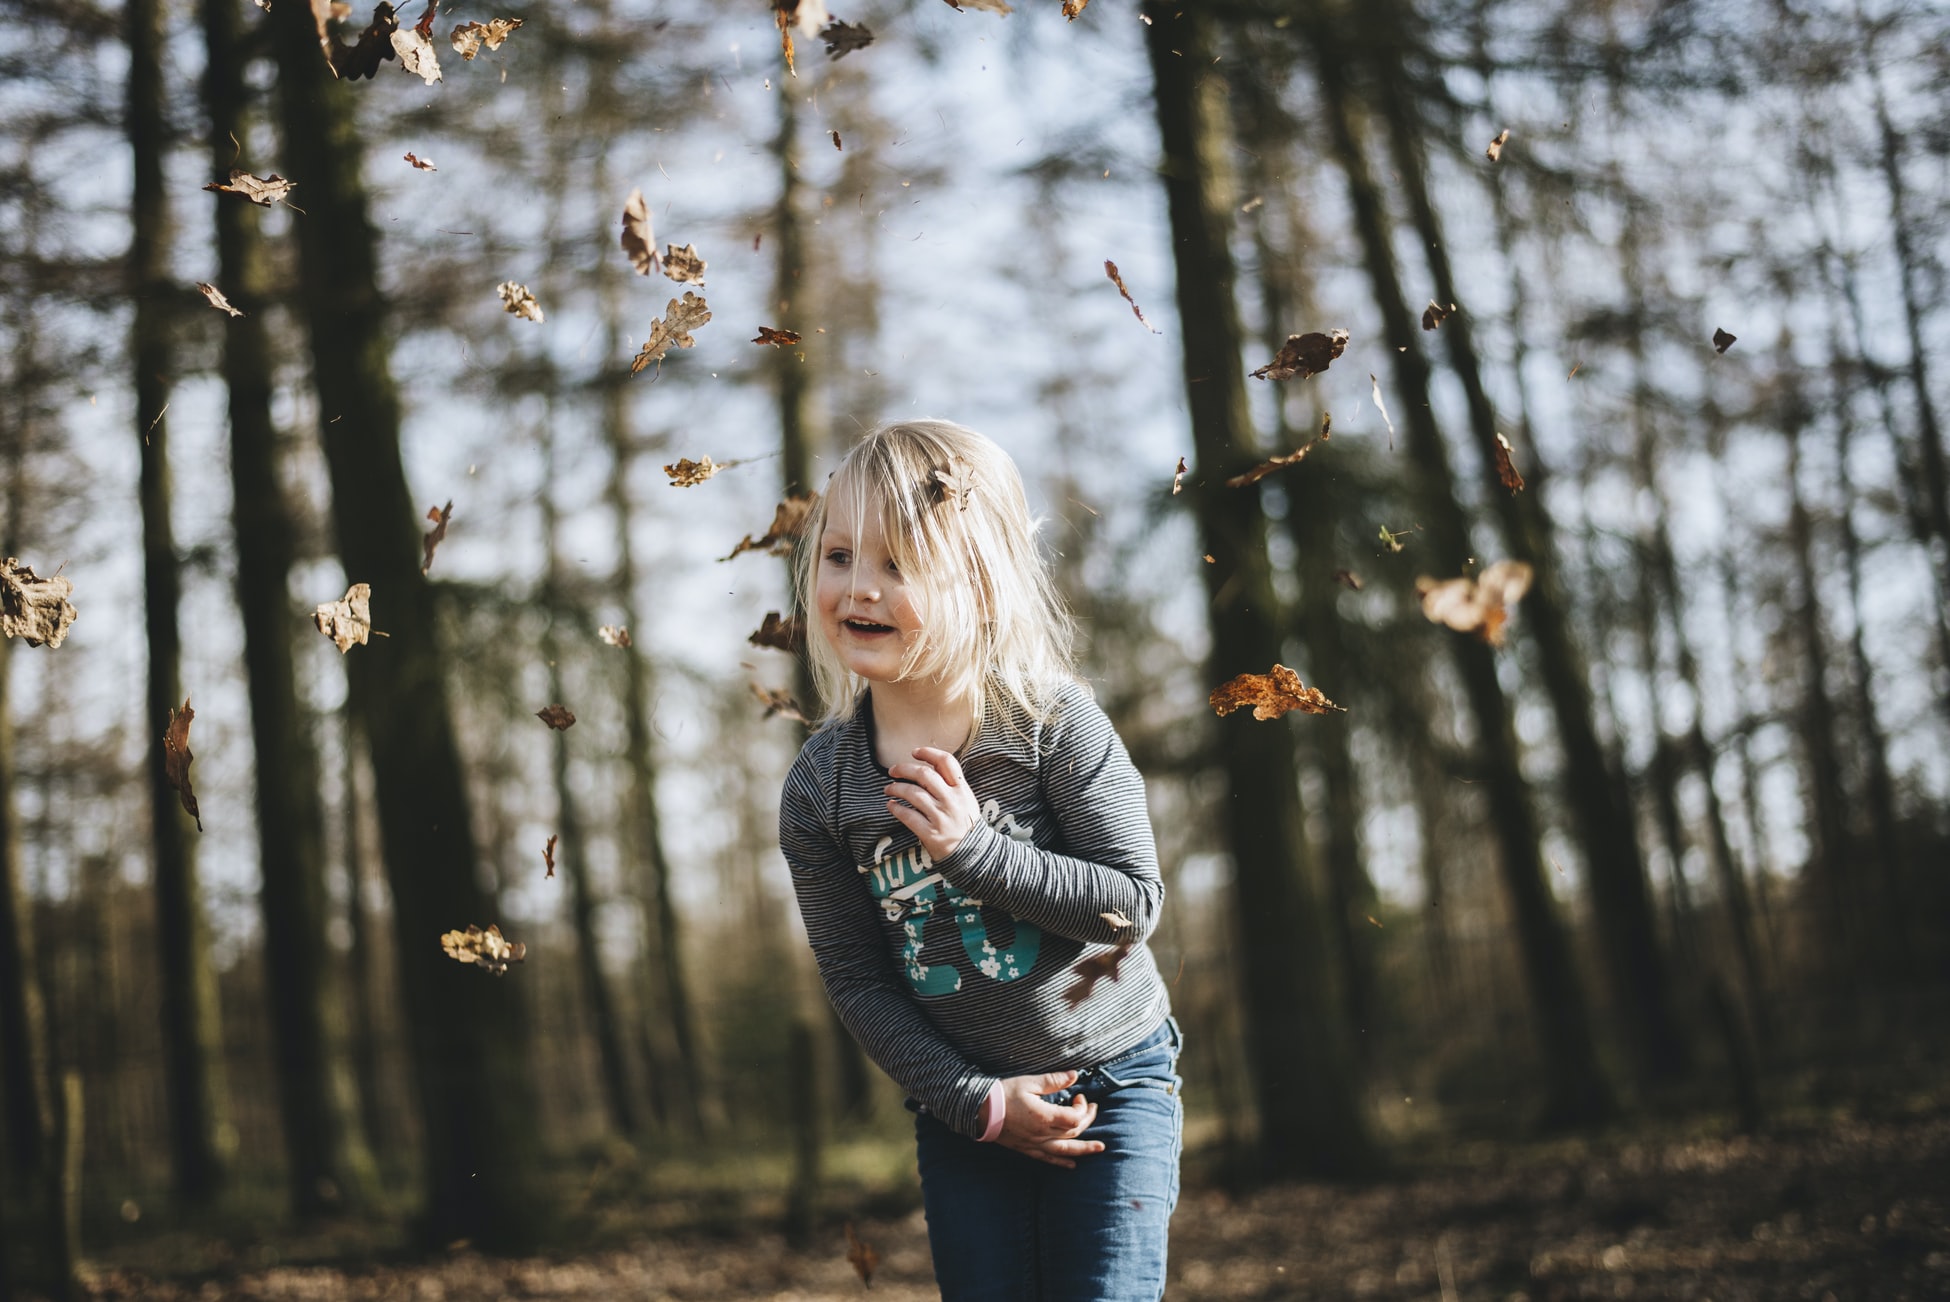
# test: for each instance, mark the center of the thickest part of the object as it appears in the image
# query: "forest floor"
(1841, 1208)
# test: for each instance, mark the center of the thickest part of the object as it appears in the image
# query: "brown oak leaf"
(1495, 151)
(614, 635)
(782, 535)
(347, 620)
(1506, 469)
(683, 265)
(776, 338)
(1110, 269)
(1435, 314)
(686, 473)
(1480, 605)
(374, 46)
(488, 950)
(1091, 970)
(844, 38)
(1271, 695)
(517, 301)
(638, 242)
(953, 482)
(779, 701)
(425, 26)
(860, 1254)
(32, 608)
(416, 55)
(1178, 478)
(261, 190)
(1304, 355)
(215, 298)
(837, 146)
(1349, 579)
(1293, 458)
(787, 635)
(1723, 341)
(808, 16)
(440, 515)
(548, 856)
(423, 164)
(672, 329)
(468, 38)
(177, 757)
(1071, 8)
(559, 717)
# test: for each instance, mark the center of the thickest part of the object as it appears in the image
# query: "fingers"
(943, 762)
(926, 778)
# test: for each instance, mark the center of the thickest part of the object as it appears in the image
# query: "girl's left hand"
(930, 796)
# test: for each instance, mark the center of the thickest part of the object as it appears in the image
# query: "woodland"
(406, 417)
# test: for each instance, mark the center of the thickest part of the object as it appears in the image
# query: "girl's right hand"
(1040, 1129)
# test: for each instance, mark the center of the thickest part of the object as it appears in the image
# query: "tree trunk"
(469, 1033)
(191, 1026)
(1311, 1122)
(1576, 1090)
(375, 1119)
(29, 1117)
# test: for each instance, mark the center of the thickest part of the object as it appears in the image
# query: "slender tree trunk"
(1311, 1121)
(1576, 1089)
(469, 1032)
(191, 1027)
(375, 1119)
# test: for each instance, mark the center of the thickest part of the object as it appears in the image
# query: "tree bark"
(469, 1033)
(1311, 1121)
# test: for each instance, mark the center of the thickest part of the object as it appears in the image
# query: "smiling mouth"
(865, 626)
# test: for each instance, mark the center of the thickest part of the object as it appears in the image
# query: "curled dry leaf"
(1480, 605)
(423, 164)
(559, 717)
(805, 15)
(425, 26)
(1178, 478)
(548, 856)
(1294, 458)
(672, 329)
(860, 1254)
(1304, 355)
(683, 265)
(952, 482)
(689, 474)
(517, 301)
(1349, 579)
(489, 949)
(777, 338)
(375, 44)
(261, 190)
(779, 701)
(1110, 269)
(468, 38)
(33, 608)
(440, 515)
(177, 757)
(1374, 391)
(638, 243)
(1722, 340)
(347, 620)
(836, 141)
(1271, 695)
(987, 6)
(1435, 314)
(844, 38)
(1495, 151)
(787, 635)
(1506, 470)
(788, 522)
(1071, 8)
(1089, 971)
(416, 55)
(215, 298)
(614, 635)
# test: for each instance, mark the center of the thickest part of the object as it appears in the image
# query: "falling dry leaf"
(1721, 339)
(424, 164)
(1435, 314)
(1071, 8)
(559, 717)
(1506, 469)
(548, 856)
(1374, 391)
(1271, 695)
(988, 6)
(1394, 541)
(673, 328)
(683, 265)
(1089, 971)
(776, 338)
(347, 620)
(788, 522)
(33, 608)
(614, 635)
(261, 190)
(416, 55)
(689, 474)
(425, 26)
(638, 243)
(215, 298)
(844, 38)
(954, 481)
(779, 701)
(836, 141)
(787, 635)
(1178, 478)
(487, 949)
(1480, 605)
(1294, 458)
(468, 38)
(1495, 151)
(1349, 579)
(1110, 269)
(177, 757)
(517, 301)
(1304, 355)
(860, 1254)
(375, 44)
(440, 515)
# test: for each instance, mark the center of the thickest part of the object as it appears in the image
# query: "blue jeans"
(1008, 1228)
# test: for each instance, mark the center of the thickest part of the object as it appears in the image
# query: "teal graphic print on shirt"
(911, 892)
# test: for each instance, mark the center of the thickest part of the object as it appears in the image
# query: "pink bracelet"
(996, 1108)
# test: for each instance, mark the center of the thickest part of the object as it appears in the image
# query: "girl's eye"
(837, 557)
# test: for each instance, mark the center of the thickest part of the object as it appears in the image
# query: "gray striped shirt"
(952, 973)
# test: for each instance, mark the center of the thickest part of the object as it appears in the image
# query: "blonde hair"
(957, 523)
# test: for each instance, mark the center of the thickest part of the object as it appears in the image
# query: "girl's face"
(870, 615)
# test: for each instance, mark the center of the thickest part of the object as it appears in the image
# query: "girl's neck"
(914, 712)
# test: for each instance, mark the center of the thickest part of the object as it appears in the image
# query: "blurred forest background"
(1653, 892)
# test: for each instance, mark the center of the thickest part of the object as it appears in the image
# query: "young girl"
(964, 832)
